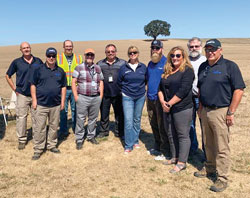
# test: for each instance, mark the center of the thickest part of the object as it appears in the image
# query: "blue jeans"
(64, 114)
(132, 109)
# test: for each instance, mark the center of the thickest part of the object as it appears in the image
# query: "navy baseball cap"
(157, 43)
(51, 51)
(214, 43)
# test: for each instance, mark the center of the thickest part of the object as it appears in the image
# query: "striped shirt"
(88, 79)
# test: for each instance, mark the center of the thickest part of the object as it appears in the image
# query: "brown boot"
(218, 186)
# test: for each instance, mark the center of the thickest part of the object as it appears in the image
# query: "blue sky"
(42, 21)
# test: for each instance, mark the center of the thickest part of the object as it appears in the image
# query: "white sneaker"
(160, 158)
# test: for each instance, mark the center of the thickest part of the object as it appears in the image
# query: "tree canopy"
(156, 28)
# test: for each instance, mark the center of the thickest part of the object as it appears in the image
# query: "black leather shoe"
(79, 145)
(93, 141)
(55, 150)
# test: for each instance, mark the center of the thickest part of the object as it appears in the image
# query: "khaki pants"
(216, 140)
(23, 105)
(40, 133)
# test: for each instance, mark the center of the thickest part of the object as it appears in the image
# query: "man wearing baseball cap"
(154, 71)
(48, 91)
(221, 88)
(88, 96)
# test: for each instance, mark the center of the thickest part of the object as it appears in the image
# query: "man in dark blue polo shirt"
(48, 91)
(22, 67)
(112, 95)
(221, 88)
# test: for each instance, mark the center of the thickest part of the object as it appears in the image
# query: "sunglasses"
(131, 53)
(175, 55)
(155, 48)
(51, 56)
(194, 46)
(214, 49)
(90, 54)
(110, 52)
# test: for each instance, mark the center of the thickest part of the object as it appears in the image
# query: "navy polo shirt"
(217, 83)
(22, 70)
(154, 72)
(49, 84)
(132, 82)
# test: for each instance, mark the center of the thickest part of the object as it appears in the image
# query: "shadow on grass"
(147, 139)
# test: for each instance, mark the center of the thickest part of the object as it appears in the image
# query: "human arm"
(33, 95)
(237, 95)
(101, 89)
(11, 83)
(165, 106)
(74, 88)
(63, 96)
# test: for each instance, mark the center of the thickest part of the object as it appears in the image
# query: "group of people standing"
(175, 88)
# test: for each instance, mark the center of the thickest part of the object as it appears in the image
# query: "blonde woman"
(132, 80)
(175, 95)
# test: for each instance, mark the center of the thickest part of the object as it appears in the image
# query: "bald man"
(22, 67)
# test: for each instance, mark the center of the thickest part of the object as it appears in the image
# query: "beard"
(195, 54)
(155, 57)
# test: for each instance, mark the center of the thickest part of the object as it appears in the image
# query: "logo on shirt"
(216, 72)
(127, 72)
(58, 74)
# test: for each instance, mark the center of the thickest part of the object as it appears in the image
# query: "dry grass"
(103, 170)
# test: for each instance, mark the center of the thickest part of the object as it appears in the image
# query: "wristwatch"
(229, 112)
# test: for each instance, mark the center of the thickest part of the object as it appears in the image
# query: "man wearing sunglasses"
(48, 90)
(112, 95)
(196, 58)
(88, 96)
(68, 62)
(154, 71)
(221, 88)
(22, 67)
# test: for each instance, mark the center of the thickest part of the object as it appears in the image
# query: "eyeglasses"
(155, 48)
(51, 56)
(90, 54)
(194, 46)
(175, 55)
(206, 71)
(214, 49)
(131, 53)
(110, 52)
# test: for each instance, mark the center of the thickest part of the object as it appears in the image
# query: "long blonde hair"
(168, 68)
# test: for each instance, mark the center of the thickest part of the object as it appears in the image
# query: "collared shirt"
(110, 73)
(49, 83)
(218, 82)
(22, 69)
(154, 72)
(88, 79)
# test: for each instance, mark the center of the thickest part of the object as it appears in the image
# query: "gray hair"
(193, 39)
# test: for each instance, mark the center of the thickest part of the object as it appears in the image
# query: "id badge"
(110, 78)
(93, 83)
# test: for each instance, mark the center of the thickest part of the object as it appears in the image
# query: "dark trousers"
(155, 114)
(116, 103)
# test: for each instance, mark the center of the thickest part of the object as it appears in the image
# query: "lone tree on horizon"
(156, 28)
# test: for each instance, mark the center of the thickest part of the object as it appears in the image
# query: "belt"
(212, 107)
(91, 95)
(68, 87)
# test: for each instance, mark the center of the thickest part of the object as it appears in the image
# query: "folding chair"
(10, 104)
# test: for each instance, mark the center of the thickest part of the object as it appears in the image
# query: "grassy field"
(103, 170)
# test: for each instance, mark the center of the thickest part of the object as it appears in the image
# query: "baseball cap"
(157, 43)
(89, 50)
(51, 51)
(214, 43)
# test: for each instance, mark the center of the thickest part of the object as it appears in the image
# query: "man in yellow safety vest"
(68, 62)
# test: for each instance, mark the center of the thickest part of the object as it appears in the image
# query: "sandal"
(180, 168)
(170, 162)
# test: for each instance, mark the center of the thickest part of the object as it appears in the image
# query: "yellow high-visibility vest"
(63, 63)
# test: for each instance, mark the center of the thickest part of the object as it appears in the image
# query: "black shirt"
(49, 84)
(217, 83)
(22, 70)
(179, 84)
(110, 74)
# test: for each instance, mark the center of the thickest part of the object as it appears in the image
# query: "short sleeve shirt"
(217, 83)
(88, 79)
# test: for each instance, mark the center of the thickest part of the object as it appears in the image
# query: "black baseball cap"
(214, 43)
(157, 43)
(51, 51)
